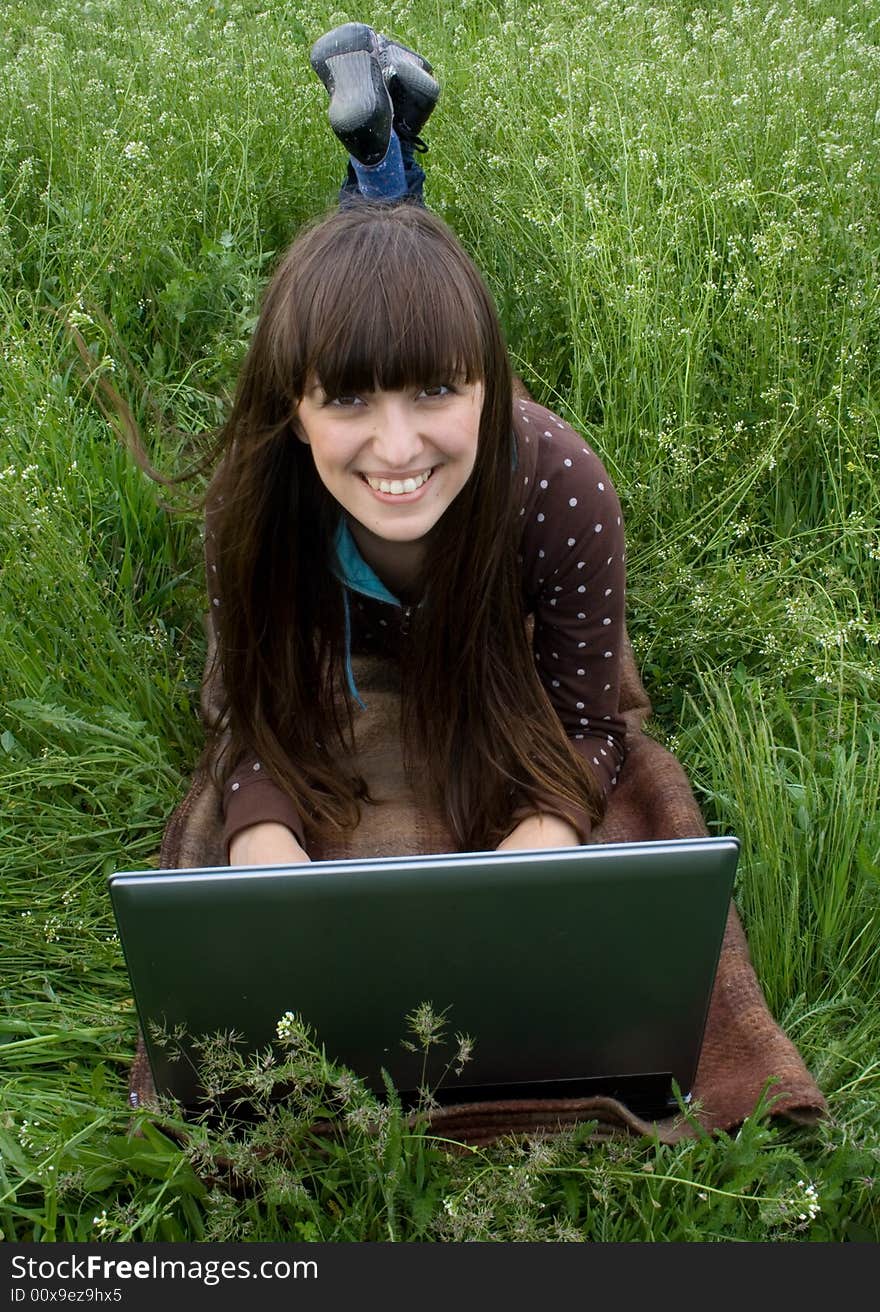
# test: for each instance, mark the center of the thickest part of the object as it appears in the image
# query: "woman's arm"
(266, 844)
(573, 554)
(538, 832)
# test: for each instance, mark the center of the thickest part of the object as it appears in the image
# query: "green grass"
(676, 209)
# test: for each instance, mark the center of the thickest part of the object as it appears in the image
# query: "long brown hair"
(379, 297)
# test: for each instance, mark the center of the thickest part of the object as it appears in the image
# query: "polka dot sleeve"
(250, 794)
(573, 559)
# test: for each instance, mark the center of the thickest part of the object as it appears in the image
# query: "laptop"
(577, 972)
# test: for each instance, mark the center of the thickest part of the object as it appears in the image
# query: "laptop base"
(569, 967)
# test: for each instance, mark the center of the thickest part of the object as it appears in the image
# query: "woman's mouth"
(398, 487)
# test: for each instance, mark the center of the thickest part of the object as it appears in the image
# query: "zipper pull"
(404, 621)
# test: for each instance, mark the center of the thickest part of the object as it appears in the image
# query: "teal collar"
(354, 571)
(355, 575)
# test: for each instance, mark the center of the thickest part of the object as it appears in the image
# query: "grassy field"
(677, 210)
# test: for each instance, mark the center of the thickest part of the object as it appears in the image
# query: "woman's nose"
(397, 441)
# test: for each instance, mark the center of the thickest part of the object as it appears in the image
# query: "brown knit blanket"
(743, 1048)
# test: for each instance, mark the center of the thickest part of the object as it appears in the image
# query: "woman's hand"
(540, 831)
(265, 844)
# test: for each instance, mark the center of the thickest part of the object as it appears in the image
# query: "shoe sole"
(414, 92)
(360, 111)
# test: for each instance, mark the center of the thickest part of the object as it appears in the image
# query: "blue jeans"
(414, 177)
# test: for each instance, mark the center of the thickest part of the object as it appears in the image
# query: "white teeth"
(396, 487)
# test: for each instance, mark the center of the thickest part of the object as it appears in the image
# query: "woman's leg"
(361, 183)
(383, 181)
(381, 95)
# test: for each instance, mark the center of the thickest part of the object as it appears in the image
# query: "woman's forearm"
(540, 831)
(265, 844)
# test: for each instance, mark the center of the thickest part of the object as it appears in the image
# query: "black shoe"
(414, 92)
(360, 113)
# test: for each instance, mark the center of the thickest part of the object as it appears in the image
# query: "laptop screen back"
(577, 970)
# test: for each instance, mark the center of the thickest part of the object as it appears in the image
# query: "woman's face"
(395, 461)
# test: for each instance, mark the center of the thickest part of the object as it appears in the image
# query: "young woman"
(380, 492)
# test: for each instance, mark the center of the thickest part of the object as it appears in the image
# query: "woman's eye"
(439, 389)
(345, 402)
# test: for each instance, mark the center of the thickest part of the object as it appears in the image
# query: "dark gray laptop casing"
(576, 971)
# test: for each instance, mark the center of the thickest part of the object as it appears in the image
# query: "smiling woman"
(374, 460)
(380, 495)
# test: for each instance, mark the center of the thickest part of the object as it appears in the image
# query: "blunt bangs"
(389, 300)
